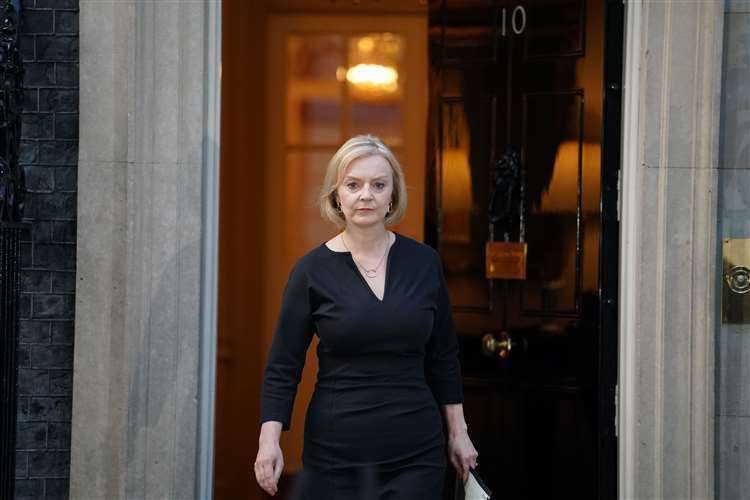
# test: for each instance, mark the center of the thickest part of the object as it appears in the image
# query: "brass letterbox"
(505, 260)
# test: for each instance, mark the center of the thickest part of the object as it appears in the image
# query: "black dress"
(373, 428)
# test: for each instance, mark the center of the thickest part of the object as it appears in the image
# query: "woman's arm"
(270, 461)
(270, 432)
(461, 451)
(454, 419)
(443, 373)
(286, 359)
(442, 368)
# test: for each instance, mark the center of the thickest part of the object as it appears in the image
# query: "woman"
(387, 352)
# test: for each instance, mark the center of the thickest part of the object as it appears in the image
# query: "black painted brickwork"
(49, 152)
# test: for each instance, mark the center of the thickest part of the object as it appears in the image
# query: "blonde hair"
(360, 146)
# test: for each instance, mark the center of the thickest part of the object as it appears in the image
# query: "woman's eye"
(380, 186)
(351, 186)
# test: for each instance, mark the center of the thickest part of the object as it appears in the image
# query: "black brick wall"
(49, 151)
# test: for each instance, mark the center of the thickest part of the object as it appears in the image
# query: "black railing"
(12, 191)
(11, 101)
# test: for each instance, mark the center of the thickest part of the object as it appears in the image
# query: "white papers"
(474, 490)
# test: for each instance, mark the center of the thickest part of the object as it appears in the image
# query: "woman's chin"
(366, 220)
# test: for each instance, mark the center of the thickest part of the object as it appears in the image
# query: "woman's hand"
(270, 461)
(461, 453)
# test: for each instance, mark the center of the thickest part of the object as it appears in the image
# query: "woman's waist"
(373, 426)
(397, 374)
(409, 385)
(374, 405)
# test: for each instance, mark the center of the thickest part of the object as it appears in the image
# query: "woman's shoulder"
(417, 249)
(312, 257)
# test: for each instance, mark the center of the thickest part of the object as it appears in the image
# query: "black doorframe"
(607, 477)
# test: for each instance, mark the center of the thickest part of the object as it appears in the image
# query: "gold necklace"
(370, 273)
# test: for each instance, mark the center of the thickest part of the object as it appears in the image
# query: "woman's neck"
(363, 239)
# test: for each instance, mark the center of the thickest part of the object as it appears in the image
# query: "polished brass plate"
(505, 260)
(735, 289)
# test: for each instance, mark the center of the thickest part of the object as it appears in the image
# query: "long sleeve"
(442, 368)
(286, 357)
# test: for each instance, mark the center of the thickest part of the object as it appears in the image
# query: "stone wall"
(672, 95)
(49, 155)
(141, 402)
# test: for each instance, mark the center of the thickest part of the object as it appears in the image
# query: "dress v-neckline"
(362, 279)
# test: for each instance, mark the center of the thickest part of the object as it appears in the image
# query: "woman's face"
(366, 190)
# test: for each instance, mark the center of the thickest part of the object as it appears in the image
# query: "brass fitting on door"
(499, 345)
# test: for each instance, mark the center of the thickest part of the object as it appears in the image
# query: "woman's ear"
(335, 202)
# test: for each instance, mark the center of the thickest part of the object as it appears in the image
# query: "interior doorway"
(477, 79)
(321, 101)
(287, 104)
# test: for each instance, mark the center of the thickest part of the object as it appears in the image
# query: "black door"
(519, 152)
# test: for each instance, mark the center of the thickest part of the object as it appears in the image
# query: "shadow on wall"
(163, 364)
